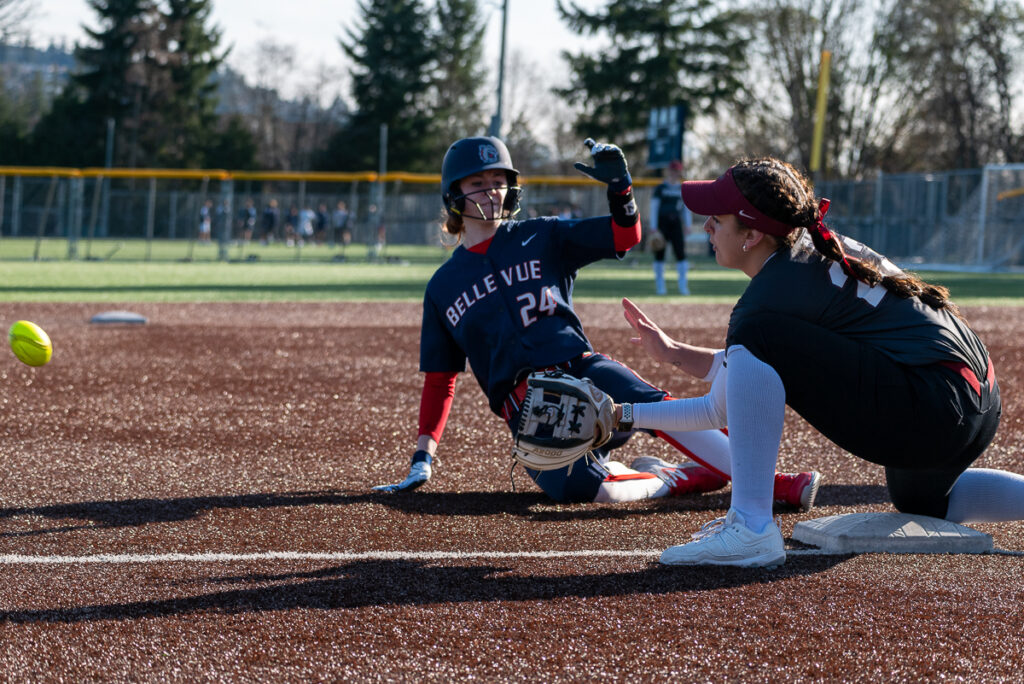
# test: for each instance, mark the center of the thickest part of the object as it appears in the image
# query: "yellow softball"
(30, 343)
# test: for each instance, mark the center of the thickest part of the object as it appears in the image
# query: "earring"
(745, 248)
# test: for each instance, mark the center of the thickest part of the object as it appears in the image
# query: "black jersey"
(668, 201)
(803, 284)
(510, 311)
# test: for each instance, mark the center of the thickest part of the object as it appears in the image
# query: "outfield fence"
(968, 219)
(223, 208)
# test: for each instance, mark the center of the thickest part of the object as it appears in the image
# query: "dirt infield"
(247, 429)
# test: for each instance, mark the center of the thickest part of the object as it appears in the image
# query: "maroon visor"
(720, 197)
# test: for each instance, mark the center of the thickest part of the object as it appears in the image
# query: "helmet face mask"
(472, 155)
(482, 195)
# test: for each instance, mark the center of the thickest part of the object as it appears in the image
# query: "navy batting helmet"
(473, 155)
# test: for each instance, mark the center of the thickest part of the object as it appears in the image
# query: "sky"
(313, 27)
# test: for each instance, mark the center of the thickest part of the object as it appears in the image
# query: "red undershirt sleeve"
(625, 219)
(436, 402)
(626, 237)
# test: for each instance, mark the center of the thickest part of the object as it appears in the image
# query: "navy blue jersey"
(805, 285)
(510, 311)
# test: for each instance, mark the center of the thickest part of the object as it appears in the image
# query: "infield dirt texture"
(254, 428)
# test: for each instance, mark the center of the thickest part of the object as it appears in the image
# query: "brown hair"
(783, 193)
(452, 225)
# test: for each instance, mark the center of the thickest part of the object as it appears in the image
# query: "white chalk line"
(342, 556)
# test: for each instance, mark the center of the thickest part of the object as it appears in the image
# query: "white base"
(119, 317)
(890, 533)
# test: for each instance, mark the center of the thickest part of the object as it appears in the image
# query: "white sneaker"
(728, 541)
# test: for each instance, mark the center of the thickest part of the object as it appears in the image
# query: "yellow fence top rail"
(1010, 194)
(185, 174)
(40, 171)
(288, 176)
(309, 176)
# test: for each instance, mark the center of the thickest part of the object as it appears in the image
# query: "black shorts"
(925, 424)
(671, 226)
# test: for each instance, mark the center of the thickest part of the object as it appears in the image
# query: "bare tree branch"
(14, 18)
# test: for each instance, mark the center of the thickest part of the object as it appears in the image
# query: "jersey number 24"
(548, 305)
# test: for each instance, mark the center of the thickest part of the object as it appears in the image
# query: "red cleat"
(685, 478)
(797, 490)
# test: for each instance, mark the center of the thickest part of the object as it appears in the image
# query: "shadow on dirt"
(395, 583)
(133, 512)
(851, 495)
(91, 515)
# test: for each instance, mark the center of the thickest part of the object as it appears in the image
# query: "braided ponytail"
(783, 193)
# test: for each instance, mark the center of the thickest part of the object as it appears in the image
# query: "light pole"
(495, 129)
(108, 161)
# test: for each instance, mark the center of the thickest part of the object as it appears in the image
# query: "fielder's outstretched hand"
(609, 166)
(649, 336)
(419, 472)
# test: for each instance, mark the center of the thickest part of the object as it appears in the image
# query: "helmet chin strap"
(499, 209)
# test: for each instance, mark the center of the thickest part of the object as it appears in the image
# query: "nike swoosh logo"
(528, 239)
(746, 215)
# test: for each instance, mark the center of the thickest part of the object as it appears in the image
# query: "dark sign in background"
(665, 135)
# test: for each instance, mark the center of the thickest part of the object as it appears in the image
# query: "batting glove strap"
(622, 206)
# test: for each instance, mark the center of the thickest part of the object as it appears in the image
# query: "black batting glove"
(609, 166)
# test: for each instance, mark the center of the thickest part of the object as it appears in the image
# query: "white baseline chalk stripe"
(125, 559)
(15, 559)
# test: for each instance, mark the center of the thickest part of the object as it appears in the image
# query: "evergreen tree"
(112, 79)
(20, 109)
(150, 68)
(232, 148)
(68, 134)
(393, 51)
(189, 105)
(459, 109)
(661, 53)
(13, 131)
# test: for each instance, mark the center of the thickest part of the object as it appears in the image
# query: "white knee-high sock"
(986, 495)
(756, 407)
(693, 425)
(659, 277)
(682, 269)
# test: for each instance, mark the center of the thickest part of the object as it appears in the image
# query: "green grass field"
(131, 271)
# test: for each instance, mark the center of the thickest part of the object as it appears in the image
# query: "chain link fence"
(967, 220)
(971, 219)
(214, 207)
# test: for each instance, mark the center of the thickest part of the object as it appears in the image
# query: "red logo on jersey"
(488, 154)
